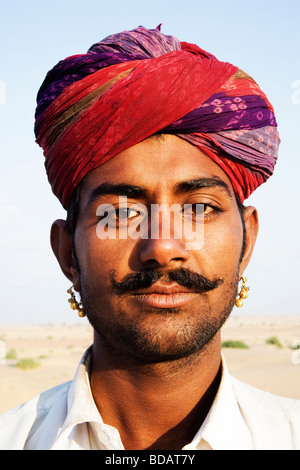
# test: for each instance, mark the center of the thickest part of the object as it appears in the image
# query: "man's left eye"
(197, 209)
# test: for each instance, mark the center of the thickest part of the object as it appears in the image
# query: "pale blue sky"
(261, 37)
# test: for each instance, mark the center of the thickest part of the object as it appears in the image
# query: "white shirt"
(66, 417)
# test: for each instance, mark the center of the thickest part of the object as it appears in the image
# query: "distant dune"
(55, 350)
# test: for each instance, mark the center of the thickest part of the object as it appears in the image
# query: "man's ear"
(61, 243)
(251, 225)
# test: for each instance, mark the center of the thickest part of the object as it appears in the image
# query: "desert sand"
(58, 348)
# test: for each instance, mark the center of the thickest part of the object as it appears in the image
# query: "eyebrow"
(201, 183)
(121, 189)
(133, 191)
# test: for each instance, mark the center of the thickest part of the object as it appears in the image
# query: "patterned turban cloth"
(137, 83)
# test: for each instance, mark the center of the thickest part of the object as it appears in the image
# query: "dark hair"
(242, 209)
(72, 211)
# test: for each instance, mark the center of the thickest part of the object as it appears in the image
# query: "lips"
(164, 295)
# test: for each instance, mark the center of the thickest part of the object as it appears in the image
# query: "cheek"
(97, 258)
(222, 246)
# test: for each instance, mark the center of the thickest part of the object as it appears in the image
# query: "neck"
(155, 406)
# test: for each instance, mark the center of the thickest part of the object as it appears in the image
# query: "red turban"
(137, 83)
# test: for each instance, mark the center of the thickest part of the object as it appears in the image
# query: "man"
(142, 130)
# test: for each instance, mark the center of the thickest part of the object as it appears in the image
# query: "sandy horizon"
(58, 349)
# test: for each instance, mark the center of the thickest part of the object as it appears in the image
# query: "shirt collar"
(81, 409)
(223, 428)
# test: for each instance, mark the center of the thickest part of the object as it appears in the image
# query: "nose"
(162, 252)
(162, 248)
(164, 244)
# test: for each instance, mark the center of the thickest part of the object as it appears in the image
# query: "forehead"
(158, 163)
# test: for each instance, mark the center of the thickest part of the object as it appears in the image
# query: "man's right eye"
(123, 213)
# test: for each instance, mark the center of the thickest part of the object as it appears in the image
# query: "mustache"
(146, 278)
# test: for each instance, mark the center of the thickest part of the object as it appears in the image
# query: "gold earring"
(243, 294)
(74, 304)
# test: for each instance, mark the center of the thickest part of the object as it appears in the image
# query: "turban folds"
(134, 84)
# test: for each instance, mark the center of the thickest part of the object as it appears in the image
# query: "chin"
(159, 338)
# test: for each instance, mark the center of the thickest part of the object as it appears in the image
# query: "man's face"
(152, 316)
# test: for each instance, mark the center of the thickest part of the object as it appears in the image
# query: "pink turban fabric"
(134, 84)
